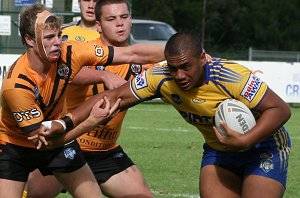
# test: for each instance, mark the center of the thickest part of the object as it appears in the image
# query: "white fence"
(282, 77)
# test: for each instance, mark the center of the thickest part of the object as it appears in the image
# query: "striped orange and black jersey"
(27, 100)
(103, 137)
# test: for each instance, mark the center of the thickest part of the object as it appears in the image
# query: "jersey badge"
(136, 69)
(198, 100)
(63, 71)
(251, 87)
(176, 99)
(69, 153)
(80, 38)
(140, 81)
(99, 51)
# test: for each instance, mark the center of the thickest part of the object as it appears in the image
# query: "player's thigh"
(128, 183)
(218, 182)
(80, 183)
(39, 186)
(10, 188)
(262, 187)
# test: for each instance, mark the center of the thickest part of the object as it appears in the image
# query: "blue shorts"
(268, 158)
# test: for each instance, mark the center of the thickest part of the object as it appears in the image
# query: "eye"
(172, 68)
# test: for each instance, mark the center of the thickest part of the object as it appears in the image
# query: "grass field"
(168, 150)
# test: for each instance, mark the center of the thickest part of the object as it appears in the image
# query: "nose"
(119, 22)
(179, 75)
(91, 4)
(57, 40)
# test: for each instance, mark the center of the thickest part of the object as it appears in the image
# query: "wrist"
(68, 123)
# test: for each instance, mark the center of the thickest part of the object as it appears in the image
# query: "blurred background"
(234, 29)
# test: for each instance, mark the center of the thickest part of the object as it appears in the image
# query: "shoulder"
(69, 25)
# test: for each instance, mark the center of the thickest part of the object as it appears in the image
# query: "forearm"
(87, 76)
(139, 53)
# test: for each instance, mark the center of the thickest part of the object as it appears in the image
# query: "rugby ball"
(236, 115)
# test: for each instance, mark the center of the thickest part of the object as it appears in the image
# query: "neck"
(37, 64)
(88, 25)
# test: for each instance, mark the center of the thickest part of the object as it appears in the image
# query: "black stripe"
(17, 85)
(22, 76)
(55, 86)
(110, 55)
(12, 68)
(30, 128)
(38, 96)
(129, 73)
(69, 64)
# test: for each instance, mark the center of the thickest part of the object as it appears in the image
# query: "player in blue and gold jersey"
(250, 165)
(33, 94)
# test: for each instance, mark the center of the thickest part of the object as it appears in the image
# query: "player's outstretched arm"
(87, 109)
(87, 76)
(139, 53)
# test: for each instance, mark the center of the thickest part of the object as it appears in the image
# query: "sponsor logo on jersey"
(136, 69)
(196, 119)
(251, 88)
(99, 51)
(63, 71)
(27, 115)
(176, 98)
(198, 100)
(80, 38)
(69, 153)
(140, 81)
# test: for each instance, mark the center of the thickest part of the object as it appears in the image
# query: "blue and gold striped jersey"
(224, 79)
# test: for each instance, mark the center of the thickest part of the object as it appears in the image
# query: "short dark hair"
(182, 42)
(101, 3)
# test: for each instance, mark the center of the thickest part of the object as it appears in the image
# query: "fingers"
(114, 109)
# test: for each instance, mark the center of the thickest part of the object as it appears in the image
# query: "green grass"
(168, 150)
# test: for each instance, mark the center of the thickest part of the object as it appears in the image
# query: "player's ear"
(203, 59)
(98, 25)
(29, 40)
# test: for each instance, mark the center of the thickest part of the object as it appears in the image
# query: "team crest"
(99, 51)
(176, 98)
(136, 69)
(80, 38)
(266, 163)
(69, 153)
(63, 71)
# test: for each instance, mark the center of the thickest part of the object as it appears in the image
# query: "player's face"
(187, 70)
(52, 43)
(115, 24)
(87, 8)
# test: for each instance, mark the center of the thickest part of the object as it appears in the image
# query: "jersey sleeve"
(146, 85)
(86, 54)
(245, 87)
(26, 112)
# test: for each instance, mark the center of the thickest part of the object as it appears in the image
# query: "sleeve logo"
(251, 87)
(140, 81)
(99, 51)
